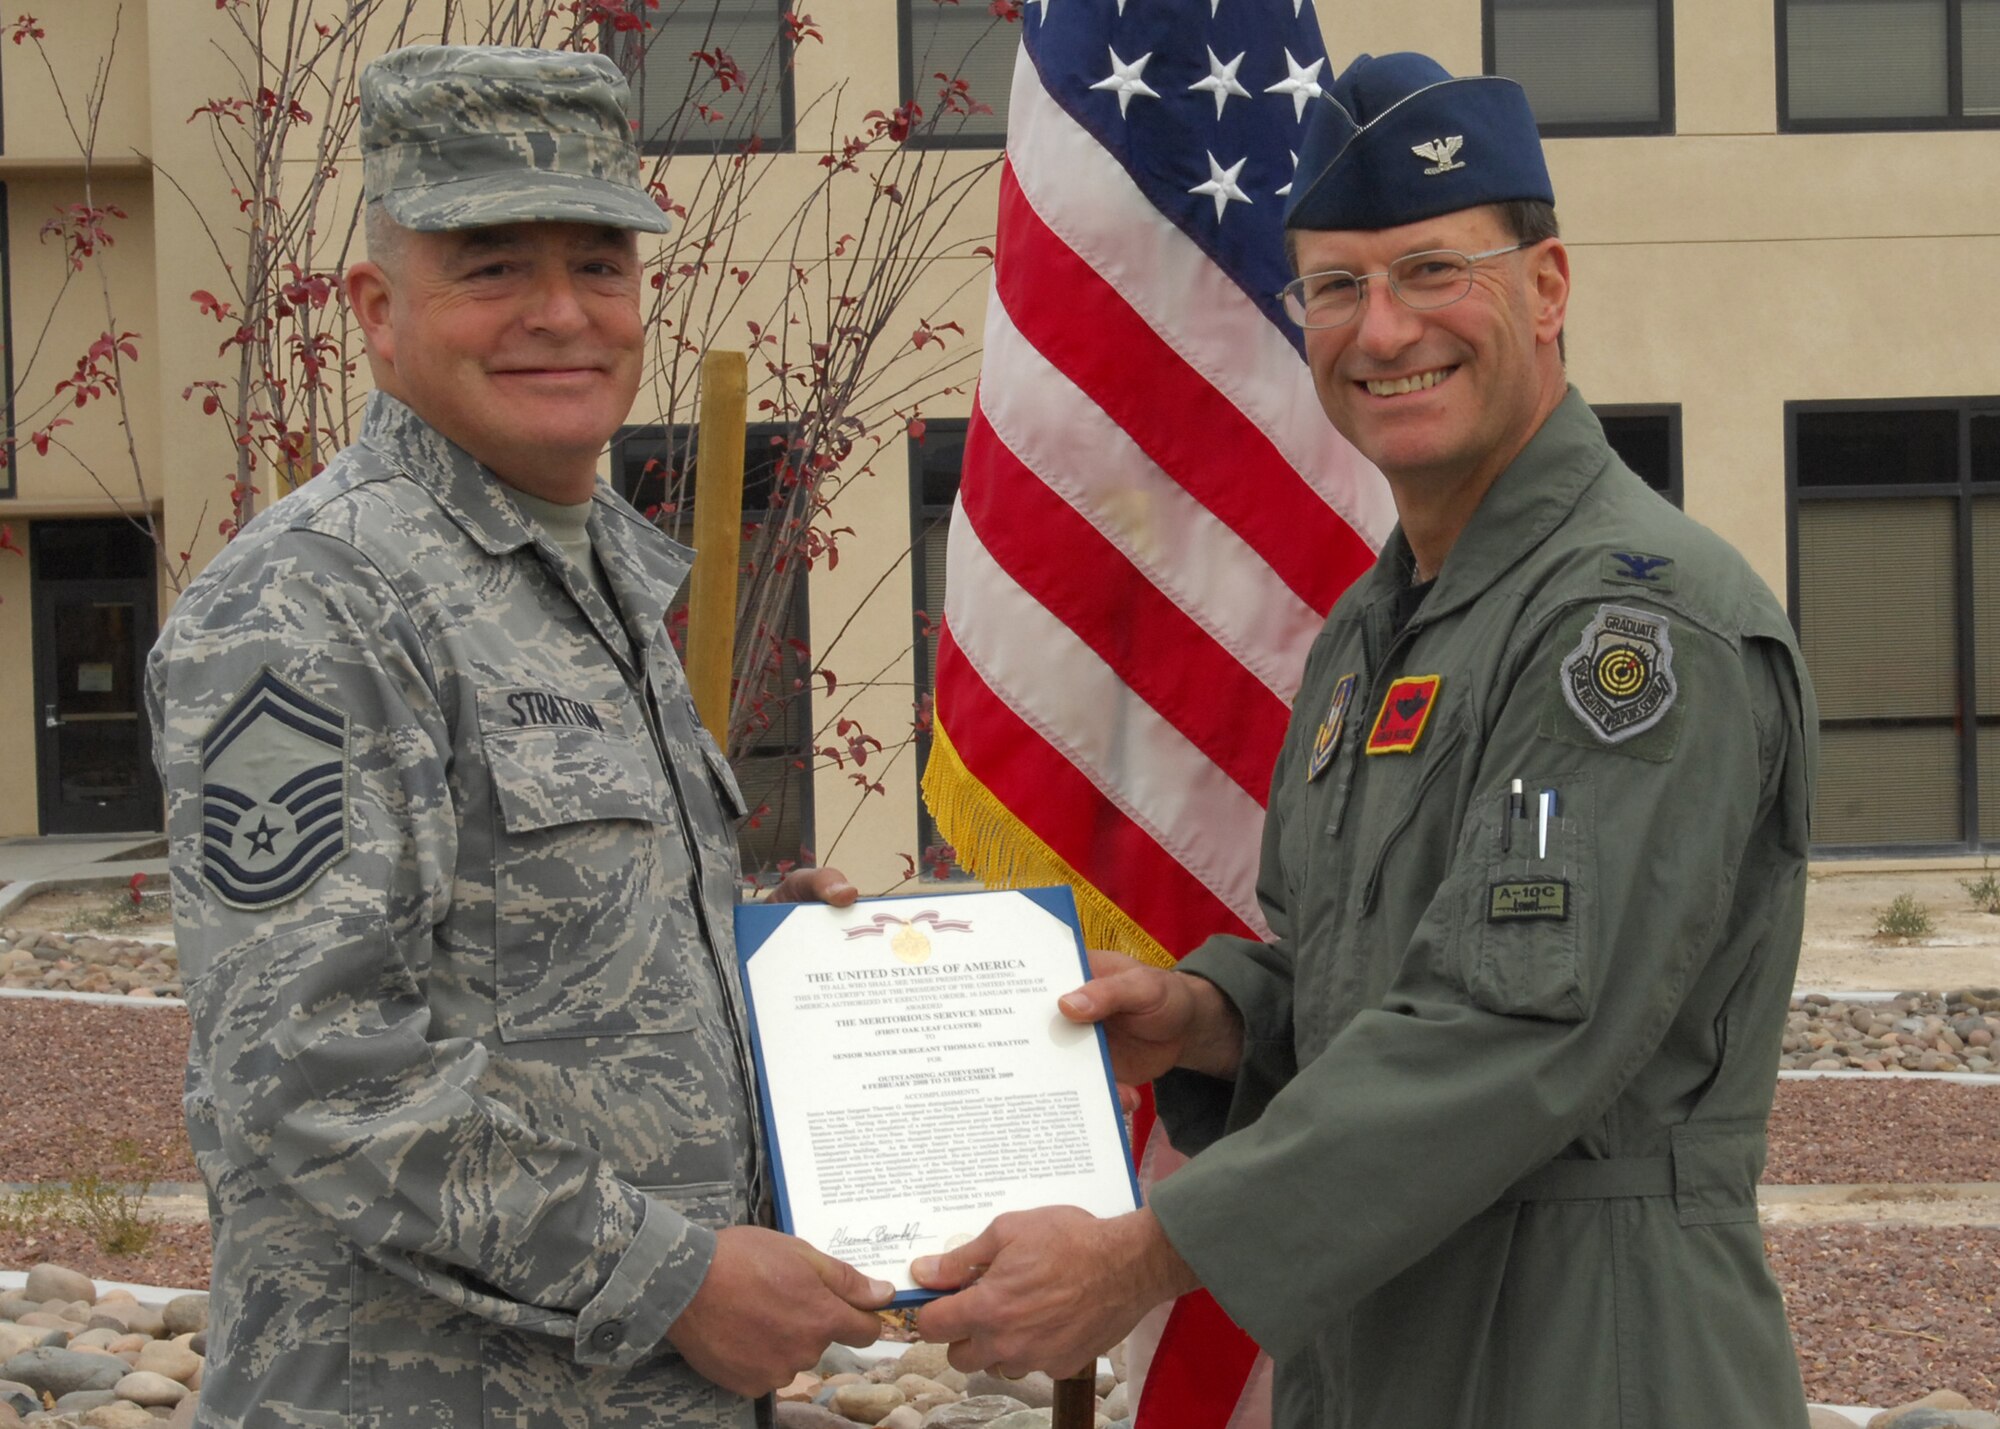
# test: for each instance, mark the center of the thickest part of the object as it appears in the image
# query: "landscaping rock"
(61, 1372)
(121, 1415)
(185, 1314)
(145, 1387)
(809, 1416)
(55, 1282)
(1036, 1390)
(974, 1413)
(866, 1403)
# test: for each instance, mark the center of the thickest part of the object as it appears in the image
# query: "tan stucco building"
(1784, 236)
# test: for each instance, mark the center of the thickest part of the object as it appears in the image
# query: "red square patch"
(1406, 709)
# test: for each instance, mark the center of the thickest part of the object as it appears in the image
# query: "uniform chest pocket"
(1529, 927)
(596, 933)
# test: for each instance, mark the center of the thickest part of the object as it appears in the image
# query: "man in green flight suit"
(1479, 1129)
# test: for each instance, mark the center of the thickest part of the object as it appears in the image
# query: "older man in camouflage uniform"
(453, 861)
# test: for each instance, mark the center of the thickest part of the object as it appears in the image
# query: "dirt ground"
(100, 910)
(1843, 951)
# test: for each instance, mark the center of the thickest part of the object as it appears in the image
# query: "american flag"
(1153, 515)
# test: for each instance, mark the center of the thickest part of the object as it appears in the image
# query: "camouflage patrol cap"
(461, 136)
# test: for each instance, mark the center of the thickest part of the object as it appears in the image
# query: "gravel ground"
(83, 1078)
(1900, 1131)
(1882, 1314)
(177, 1259)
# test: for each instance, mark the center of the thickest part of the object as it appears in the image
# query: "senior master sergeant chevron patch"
(273, 794)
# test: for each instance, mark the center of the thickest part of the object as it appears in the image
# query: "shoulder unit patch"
(1620, 678)
(273, 794)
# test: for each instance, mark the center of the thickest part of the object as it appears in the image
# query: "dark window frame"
(1954, 118)
(927, 135)
(626, 466)
(1962, 490)
(610, 42)
(923, 515)
(1601, 129)
(1676, 490)
(7, 478)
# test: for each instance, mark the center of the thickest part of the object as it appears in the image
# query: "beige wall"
(1726, 268)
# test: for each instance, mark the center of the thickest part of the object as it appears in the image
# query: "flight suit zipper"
(1439, 757)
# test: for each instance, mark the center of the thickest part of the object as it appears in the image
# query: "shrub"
(1985, 891)
(1903, 918)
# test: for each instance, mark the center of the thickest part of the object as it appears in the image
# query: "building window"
(708, 78)
(944, 42)
(773, 761)
(1888, 64)
(1647, 438)
(1589, 66)
(934, 468)
(1896, 591)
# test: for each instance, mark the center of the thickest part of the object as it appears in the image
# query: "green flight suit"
(1491, 1156)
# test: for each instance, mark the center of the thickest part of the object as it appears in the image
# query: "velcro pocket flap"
(544, 778)
(1716, 1168)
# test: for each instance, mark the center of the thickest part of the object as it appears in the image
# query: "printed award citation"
(917, 1079)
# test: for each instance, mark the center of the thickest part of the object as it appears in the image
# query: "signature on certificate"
(878, 1237)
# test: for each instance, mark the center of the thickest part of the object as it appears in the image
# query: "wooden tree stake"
(718, 536)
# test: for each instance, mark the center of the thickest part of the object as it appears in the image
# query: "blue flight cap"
(1401, 140)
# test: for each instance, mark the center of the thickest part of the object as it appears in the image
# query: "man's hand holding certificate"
(918, 1077)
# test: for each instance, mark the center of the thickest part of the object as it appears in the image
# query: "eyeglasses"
(1434, 279)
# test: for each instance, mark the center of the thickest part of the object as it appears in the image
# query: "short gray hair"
(385, 237)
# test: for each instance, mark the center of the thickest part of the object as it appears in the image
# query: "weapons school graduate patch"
(1620, 678)
(1327, 741)
(1406, 709)
(273, 794)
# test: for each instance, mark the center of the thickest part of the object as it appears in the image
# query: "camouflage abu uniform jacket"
(467, 1082)
(1503, 1092)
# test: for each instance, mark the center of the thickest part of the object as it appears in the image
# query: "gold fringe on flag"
(996, 847)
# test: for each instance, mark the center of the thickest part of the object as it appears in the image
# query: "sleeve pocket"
(1530, 914)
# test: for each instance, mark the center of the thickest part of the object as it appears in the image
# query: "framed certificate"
(916, 1077)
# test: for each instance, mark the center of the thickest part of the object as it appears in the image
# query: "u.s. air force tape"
(273, 794)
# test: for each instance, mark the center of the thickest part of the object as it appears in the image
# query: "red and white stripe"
(1154, 517)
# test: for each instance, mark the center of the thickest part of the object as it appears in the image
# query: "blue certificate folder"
(906, 1041)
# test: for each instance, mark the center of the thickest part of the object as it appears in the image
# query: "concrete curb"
(154, 1295)
(1963, 1079)
(20, 891)
(1889, 1191)
(101, 999)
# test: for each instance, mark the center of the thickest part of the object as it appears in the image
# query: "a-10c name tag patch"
(1521, 900)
